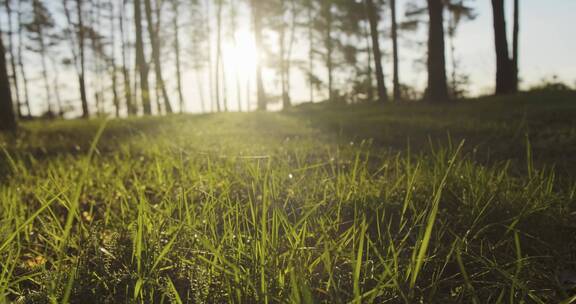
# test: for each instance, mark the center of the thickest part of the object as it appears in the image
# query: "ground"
(471, 202)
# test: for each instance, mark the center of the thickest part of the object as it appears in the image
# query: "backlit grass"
(315, 205)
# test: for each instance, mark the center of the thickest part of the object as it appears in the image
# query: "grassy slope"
(313, 205)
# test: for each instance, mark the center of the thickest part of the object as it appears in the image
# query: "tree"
(458, 11)
(76, 36)
(283, 21)
(176, 26)
(372, 12)
(257, 21)
(394, 32)
(13, 70)
(141, 64)
(131, 107)
(309, 5)
(154, 41)
(7, 116)
(504, 65)
(200, 50)
(41, 29)
(515, 46)
(20, 52)
(232, 35)
(437, 90)
(219, 69)
(327, 27)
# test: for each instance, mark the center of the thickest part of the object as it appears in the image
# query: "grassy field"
(466, 203)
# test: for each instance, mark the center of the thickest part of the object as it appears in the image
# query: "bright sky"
(547, 42)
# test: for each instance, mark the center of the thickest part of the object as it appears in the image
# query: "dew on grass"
(87, 216)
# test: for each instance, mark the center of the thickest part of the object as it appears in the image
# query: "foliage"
(552, 84)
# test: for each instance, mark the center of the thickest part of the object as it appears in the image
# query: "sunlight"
(240, 55)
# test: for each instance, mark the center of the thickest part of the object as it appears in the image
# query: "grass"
(473, 202)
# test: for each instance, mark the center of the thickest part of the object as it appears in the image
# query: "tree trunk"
(13, 69)
(310, 9)
(218, 52)
(282, 42)
(369, 62)
(257, 19)
(515, 46)
(504, 77)
(115, 98)
(45, 72)
(292, 41)
(141, 64)
(397, 93)
(131, 109)
(82, 76)
(56, 84)
(156, 56)
(7, 116)
(374, 33)
(437, 90)
(176, 25)
(329, 45)
(20, 61)
(214, 106)
(200, 86)
(233, 25)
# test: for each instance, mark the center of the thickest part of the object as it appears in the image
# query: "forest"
(287, 151)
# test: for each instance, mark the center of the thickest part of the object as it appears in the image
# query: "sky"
(547, 43)
(547, 48)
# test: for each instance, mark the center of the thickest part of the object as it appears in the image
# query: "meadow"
(473, 202)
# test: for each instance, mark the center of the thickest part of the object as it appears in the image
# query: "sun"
(240, 55)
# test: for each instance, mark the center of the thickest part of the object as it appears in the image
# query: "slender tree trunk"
(200, 91)
(82, 76)
(7, 116)
(214, 105)
(220, 64)
(437, 90)
(310, 10)
(369, 62)
(141, 64)
(397, 92)
(56, 84)
(282, 42)
(504, 70)
(20, 59)
(515, 46)
(257, 19)
(329, 45)
(233, 25)
(218, 53)
(453, 77)
(14, 70)
(45, 72)
(131, 109)
(248, 96)
(374, 33)
(115, 97)
(291, 43)
(238, 91)
(156, 56)
(176, 20)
